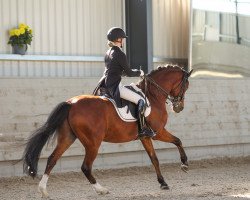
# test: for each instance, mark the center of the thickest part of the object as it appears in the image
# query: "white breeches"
(129, 95)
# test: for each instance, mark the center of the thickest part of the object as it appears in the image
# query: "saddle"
(127, 110)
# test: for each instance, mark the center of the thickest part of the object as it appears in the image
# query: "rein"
(164, 92)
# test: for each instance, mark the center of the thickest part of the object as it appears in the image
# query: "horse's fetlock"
(161, 180)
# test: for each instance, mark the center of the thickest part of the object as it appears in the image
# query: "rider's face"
(120, 41)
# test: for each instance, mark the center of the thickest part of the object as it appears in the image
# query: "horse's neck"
(156, 98)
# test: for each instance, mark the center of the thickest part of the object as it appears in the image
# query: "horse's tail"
(42, 135)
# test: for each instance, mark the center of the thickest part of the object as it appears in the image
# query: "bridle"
(176, 100)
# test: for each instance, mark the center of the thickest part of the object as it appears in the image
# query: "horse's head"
(172, 82)
(178, 90)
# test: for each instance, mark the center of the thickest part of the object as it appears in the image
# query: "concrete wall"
(214, 123)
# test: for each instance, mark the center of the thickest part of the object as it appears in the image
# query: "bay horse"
(93, 119)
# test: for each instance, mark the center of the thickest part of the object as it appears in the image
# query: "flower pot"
(19, 49)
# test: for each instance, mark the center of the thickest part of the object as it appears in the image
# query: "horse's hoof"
(99, 189)
(103, 191)
(184, 168)
(43, 191)
(164, 187)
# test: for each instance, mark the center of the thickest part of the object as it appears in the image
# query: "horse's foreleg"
(64, 140)
(165, 136)
(148, 145)
(90, 156)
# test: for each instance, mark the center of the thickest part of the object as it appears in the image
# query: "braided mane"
(166, 67)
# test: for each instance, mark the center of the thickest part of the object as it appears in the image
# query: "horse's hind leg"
(165, 136)
(90, 155)
(147, 143)
(64, 139)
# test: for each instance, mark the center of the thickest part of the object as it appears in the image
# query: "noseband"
(175, 100)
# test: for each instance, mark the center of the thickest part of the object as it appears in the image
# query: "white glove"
(142, 73)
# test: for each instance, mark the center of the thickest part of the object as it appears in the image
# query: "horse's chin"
(178, 109)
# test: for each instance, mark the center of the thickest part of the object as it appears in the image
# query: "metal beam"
(139, 31)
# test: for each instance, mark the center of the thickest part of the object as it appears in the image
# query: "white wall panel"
(171, 28)
(61, 27)
(225, 22)
(244, 29)
(50, 69)
(228, 27)
(199, 21)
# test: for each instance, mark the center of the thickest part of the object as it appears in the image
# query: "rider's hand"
(142, 73)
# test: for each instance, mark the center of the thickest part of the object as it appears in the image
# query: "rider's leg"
(144, 130)
(129, 95)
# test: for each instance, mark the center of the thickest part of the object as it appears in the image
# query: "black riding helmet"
(115, 33)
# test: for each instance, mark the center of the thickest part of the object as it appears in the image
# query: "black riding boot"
(144, 130)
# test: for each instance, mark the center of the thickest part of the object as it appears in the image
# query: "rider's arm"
(124, 63)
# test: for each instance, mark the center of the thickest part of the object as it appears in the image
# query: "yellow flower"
(12, 32)
(22, 30)
(31, 31)
(22, 25)
(17, 32)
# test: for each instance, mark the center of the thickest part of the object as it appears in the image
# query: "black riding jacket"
(116, 65)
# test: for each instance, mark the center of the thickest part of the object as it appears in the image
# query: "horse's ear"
(189, 73)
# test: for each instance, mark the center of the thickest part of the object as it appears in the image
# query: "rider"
(116, 65)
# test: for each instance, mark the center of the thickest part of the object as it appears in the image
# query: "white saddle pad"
(124, 112)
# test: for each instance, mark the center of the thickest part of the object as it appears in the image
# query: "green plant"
(21, 35)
